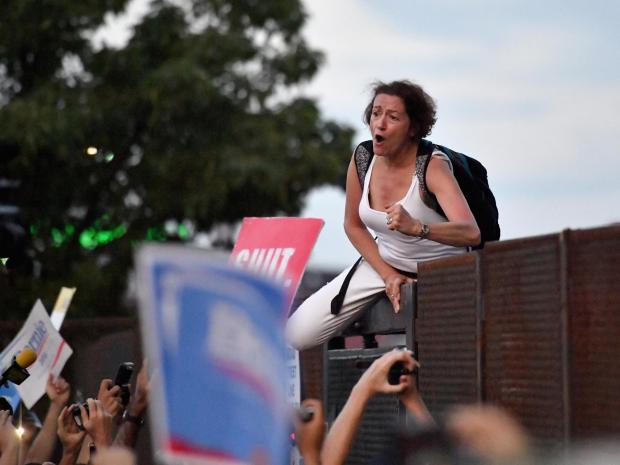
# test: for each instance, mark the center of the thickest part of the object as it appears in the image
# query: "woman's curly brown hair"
(420, 106)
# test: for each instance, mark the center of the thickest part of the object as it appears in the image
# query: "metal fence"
(530, 324)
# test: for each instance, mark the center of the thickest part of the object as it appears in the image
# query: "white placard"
(39, 334)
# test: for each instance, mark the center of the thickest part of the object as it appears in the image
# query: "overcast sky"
(530, 88)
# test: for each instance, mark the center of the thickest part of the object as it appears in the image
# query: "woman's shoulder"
(439, 170)
(439, 163)
(437, 156)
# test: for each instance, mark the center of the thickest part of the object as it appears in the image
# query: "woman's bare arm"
(461, 228)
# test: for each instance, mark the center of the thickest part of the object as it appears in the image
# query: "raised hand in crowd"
(411, 399)
(140, 399)
(58, 391)
(98, 423)
(373, 381)
(9, 442)
(310, 434)
(71, 436)
(133, 417)
(109, 397)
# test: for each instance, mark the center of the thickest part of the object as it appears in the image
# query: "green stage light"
(92, 238)
(57, 237)
(155, 234)
(183, 232)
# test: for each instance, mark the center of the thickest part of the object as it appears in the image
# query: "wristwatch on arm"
(424, 231)
(139, 421)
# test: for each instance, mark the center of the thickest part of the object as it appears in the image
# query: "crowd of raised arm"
(99, 431)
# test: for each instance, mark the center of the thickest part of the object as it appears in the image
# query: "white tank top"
(400, 250)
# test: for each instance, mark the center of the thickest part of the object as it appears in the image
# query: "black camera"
(396, 371)
(77, 414)
(123, 375)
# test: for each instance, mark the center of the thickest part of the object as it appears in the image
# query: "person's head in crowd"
(470, 434)
(488, 431)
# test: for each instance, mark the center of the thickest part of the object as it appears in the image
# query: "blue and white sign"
(214, 333)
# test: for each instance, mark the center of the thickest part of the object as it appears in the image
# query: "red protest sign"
(278, 248)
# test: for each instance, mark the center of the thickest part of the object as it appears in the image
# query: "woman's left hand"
(398, 219)
(392, 288)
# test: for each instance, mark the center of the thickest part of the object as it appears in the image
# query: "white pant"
(313, 323)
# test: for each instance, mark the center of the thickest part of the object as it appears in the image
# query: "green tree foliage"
(198, 119)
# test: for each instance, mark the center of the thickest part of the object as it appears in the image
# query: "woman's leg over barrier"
(313, 323)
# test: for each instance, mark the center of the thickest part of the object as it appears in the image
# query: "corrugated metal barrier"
(530, 324)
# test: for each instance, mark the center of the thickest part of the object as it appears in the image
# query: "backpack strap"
(363, 155)
(425, 153)
(336, 303)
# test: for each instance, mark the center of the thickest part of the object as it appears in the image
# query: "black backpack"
(469, 173)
